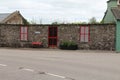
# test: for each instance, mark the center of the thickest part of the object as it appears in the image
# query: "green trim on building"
(108, 17)
(118, 36)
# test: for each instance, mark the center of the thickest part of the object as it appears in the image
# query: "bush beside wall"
(68, 46)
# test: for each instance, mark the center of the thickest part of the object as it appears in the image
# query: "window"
(24, 33)
(84, 34)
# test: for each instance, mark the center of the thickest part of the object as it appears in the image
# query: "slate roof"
(116, 12)
(4, 16)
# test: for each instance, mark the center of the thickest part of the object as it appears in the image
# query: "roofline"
(114, 14)
(105, 14)
(111, 0)
(47, 25)
(12, 14)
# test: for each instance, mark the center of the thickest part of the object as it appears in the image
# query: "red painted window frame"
(84, 33)
(24, 33)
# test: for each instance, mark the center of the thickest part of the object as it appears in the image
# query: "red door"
(52, 37)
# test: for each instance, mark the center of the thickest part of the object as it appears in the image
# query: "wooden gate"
(52, 36)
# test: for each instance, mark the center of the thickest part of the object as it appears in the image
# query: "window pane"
(25, 29)
(86, 38)
(86, 30)
(25, 36)
(82, 30)
(82, 38)
(22, 30)
(22, 37)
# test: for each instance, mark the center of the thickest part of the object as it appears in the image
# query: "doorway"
(52, 36)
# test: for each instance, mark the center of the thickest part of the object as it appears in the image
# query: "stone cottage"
(12, 18)
(87, 36)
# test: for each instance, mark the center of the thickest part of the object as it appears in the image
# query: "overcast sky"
(49, 11)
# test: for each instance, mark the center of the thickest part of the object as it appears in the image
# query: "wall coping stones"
(56, 24)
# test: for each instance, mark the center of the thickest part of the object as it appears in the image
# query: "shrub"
(68, 45)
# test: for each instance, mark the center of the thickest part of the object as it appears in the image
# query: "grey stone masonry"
(102, 36)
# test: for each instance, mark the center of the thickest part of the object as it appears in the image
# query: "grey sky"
(56, 10)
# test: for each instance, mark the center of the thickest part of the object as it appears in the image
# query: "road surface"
(53, 64)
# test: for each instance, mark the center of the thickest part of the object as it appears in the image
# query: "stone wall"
(102, 36)
(42, 37)
(9, 35)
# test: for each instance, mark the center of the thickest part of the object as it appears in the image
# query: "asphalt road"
(50, 64)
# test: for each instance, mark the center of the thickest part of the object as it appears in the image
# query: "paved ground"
(49, 64)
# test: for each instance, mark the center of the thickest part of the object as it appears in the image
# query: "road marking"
(59, 76)
(56, 75)
(63, 77)
(3, 65)
(31, 70)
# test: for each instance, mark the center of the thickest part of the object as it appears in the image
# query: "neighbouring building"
(12, 18)
(112, 15)
(109, 17)
(116, 13)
